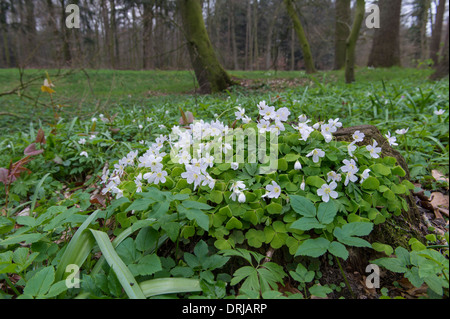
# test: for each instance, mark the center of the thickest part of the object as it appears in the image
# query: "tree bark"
(352, 40)
(442, 68)
(307, 55)
(342, 32)
(148, 34)
(386, 43)
(437, 32)
(210, 74)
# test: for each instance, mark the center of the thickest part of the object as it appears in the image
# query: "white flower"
(84, 153)
(82, 141)
(316, 154)
(193, 176)
(351, 148)
(235, 166)
(305, 130)
(241, 198)
(333, 176)
(238, 187)
(156, 177)
(263, 126)
(94, 119)
(303, 119)
(209, 181)
(374, 150)
(92, 137)
(246, 119)
(273, 191)
(240, 113)
(162, 126)
(327, 191)
(138, 182)
(350, 166)
(439, 113)
(402, 131)
(350, 177)
(268, 113)
(297, 166)
(335, 123)
(141, 126)
(303, 185)
(283, 114)
(391, 139)
(365, 175)
(358, 136)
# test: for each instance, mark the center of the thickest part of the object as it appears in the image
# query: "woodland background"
(246, 35)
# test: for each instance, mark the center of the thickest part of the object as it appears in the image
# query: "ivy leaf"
(313, 247)
(302, 206)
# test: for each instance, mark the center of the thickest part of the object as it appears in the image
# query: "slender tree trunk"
(437, 32)
(352, 40)
(307, 55)
(292, 49)
(442, 68)
(423, 30)
(233, 36)
(4, 33)
(65, 35)
(342, 32)
(210, 74)
(270, 36)
(386, 43)
(148, 34)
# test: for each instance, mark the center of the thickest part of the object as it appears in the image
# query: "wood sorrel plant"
(321, 197)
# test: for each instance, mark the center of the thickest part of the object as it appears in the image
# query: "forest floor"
(392, 100)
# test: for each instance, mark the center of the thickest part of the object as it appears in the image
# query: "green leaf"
(388, 250)
(274, 208)
(307, 223)
(371, 183)
(302, 206)
(147, 265)
(126, 279)
(233, 223)
(163, 286)
(78, 249)
(392, 264)
(140, 205)
(381, 169)
(196, 205)
(346, 234)
(313, 247)
(255, 238)
(195, 214)
(315, 181)
(320, 291)
(146, 239)
(40, 283)
(397, 170)
(326, 212)
(302, 274)
(26, 238)
(338, 250)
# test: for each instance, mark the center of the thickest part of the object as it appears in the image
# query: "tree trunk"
(211, 76)
(442, 68)
(307, 56)
(423, 30)
(437, 32)
(148, 34)
(342, 32)
(386, 43)
(233, 36)
(65, 35)
(352, 40)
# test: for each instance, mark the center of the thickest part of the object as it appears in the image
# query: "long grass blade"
(163, 286)
(126, 279)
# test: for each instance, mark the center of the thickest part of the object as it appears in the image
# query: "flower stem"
(345, 278)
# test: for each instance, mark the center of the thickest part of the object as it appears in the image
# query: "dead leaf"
(439, 201)
(32, 151)
(186, 118)
(438, 176)
(98, 199)
(40, 138)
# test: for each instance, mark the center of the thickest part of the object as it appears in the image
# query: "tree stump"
(396, 231)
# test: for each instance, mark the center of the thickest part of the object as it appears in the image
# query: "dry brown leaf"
(438, 176)
(439, 200)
